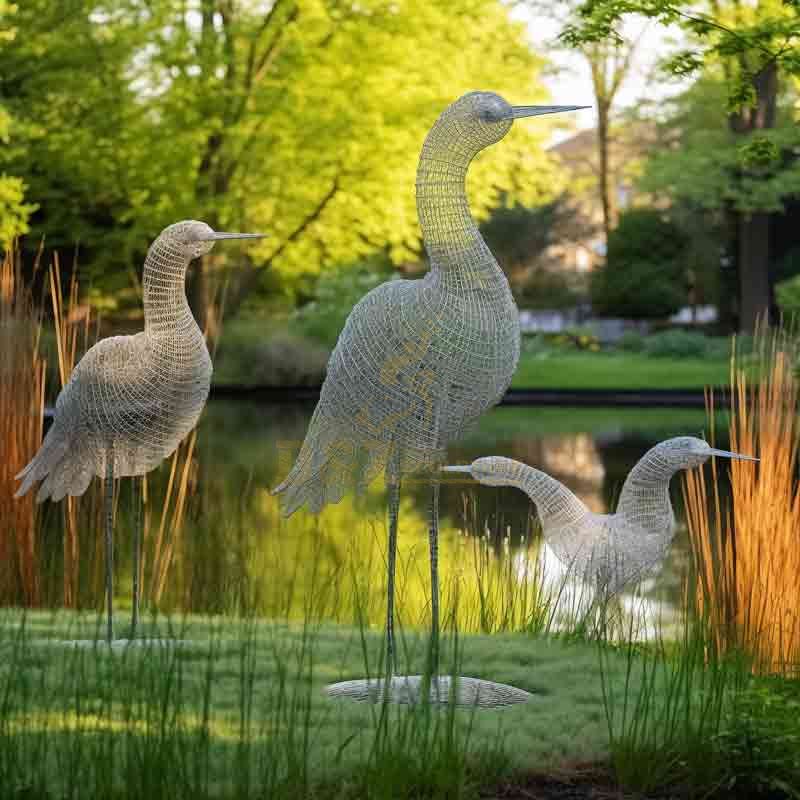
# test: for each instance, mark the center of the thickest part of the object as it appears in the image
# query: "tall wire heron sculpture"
(131, 400)
(610, 551)
(418, 360)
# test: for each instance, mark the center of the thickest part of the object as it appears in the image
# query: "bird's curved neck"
(452, 239)
(555, 504)
(166, 309)
(644, 500)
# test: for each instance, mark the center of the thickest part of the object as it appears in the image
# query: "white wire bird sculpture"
(418, 360)
(131, 400)
(610, 551)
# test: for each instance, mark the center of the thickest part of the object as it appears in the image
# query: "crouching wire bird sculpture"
(418, 360)
(131, 400)
(610, 551)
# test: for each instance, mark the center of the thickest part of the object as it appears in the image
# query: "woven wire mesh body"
(418, 360)
(135, 397)
(609, 550)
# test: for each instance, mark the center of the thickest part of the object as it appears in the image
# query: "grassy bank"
(238, 710)
(241, 712)
(284, 362)
(256, 352)
(617, 370)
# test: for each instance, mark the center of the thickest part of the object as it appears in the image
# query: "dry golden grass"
(22, 396)
(22, 372)
(747, 550)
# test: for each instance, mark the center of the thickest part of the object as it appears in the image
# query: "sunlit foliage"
(303, 118)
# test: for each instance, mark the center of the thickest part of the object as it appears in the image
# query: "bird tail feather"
(54, 465)
(325, 472)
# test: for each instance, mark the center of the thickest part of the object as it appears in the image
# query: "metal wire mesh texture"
(609, 550)
(407, 690)
(132, 399)
(418, 360)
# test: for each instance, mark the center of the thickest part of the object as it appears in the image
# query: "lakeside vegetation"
(707, 708)
(260, 352)
(240, 711)
(304, 119)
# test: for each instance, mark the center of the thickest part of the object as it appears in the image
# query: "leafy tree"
(301, 118)
(788, 296)
(335, 294)
(644, 276)
(610, 61)
(702, 164)
(753, 45)
(526, 240)
(14, 212)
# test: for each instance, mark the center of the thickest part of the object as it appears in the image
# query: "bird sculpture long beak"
(518, 112)
(728, 454)
(216, 237)
(465, 468)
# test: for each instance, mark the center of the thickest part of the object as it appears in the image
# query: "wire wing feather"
(375, 398)
(94, 408)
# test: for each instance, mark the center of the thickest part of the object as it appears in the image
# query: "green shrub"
(787, 294)
(535, 344)
(675, 344)
(249, 354)
(337, 291)
(761, 742)
(644, 276)
(631, 342)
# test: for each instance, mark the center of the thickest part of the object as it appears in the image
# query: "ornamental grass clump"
(22, 372)
(747, 549)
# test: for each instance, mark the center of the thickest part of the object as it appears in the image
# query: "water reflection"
(236, 552)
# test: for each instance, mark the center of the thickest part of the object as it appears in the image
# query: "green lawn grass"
(239, 711)
(253, 353)
(242, 713)
(585, 370)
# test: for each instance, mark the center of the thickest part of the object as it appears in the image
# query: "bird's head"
(483, 118)
(490, 470)
(195, 238)
(687, 452)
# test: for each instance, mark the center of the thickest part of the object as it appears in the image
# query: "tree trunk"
(755, 290)
(754, 285)
(604, 178)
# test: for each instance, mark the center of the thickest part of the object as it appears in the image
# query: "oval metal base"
(468, 692)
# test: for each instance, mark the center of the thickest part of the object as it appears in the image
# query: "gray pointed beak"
(466, 469)
(518, 112)
(728, 454)
(216, 237)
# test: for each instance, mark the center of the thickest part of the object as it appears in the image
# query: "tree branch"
(312, 217)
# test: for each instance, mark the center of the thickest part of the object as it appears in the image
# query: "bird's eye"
(490, 114)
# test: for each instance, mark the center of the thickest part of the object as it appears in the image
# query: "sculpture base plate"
(406, 689)
(115, 645)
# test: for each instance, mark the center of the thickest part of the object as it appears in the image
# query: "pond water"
(234, 551)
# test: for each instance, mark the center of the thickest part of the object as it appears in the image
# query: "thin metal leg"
(137, 551)
(433, 540)
(393, 487)
(110, 543)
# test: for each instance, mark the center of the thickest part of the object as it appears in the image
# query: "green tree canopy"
(14, 212)
(644, 276)
(301, 118)
(703, 161)
(749, 163)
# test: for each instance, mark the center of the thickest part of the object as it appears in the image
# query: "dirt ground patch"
(585, 783)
